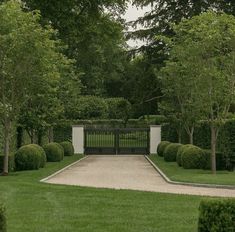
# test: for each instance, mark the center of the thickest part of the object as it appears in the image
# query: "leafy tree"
(88, 107)
(29, 58)
(118, 108)
(94, 34)
(141, 87)
(207, 53)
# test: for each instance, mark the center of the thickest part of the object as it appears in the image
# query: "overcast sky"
(132, 14)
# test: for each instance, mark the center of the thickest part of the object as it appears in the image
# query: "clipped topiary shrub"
(42, 154)
(217, 216)
(220, 160)
(27, 158)
(193, 157)
(180, 152)
(161, 147)
(61, 151)
(68, 148)
(170, 152)
(3, 224)
(54, 152)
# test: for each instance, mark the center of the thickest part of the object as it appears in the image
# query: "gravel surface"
(126, 172)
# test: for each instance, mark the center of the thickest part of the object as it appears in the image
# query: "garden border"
(61, 170)
(168, 180)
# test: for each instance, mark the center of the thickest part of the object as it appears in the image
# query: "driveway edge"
(61, 170)
(187, 183)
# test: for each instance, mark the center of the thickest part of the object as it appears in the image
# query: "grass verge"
(39, 207)
(176, 173)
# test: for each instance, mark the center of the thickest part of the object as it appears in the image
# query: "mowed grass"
(38, 207)
(176, 173)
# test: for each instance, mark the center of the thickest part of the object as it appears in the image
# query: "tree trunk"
(51, 135)
(39, 137)
(191, 138)
(33, 136)
(190, 132)
(213, 149)
(179, 136)
(19, 137)
(7, 128)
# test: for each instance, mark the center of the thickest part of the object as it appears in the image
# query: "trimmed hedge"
(68, 148)
(193, 157)
(220, 160)
(42, 154)
(161, 147)
(54, 152)
(225, 141)
(180, 152)
(11, 163)
(28, 157)
(3, 224)
(217, 216)
(170, 152)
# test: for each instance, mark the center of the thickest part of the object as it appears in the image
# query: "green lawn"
(176, 173)
(38, 207)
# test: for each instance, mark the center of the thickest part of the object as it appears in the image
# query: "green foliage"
(220, 160)
(68, 148)
(88, 107)
(3, 224)
(11, 163)
(170, 152)
(28, 157)
(226, 140)
(217, 216)
(161, 147)
(180, 152)
(118, 108)
(193, 157)
(54, 152)
(42, 155)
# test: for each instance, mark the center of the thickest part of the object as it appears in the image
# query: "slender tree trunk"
(190, 132)
(34, 137)
(179, 136)
(191, 138)
(19, 137)
(7, 129)
(39, 137)
(51, 135)
(213, 149)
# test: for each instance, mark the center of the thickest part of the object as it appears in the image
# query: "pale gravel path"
(126, 172)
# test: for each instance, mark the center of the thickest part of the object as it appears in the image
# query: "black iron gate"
(117, 141)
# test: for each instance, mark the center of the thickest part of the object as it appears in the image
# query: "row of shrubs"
(189, 156)
(33, 156)
(215, 215)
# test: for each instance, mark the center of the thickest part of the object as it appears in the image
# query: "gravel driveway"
(126, 172)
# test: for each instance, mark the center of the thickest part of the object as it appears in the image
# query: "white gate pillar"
(78, 139)
(155, 138)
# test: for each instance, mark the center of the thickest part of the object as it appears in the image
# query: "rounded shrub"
(193, 157)
(42, 154)
(54, 152)
(180, 152)
(27, 158)
(68, 148)
(161, 147)
(61, 150)
(170, 152)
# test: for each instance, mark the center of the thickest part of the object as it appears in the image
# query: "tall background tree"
(204, 49)
(29, 58)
